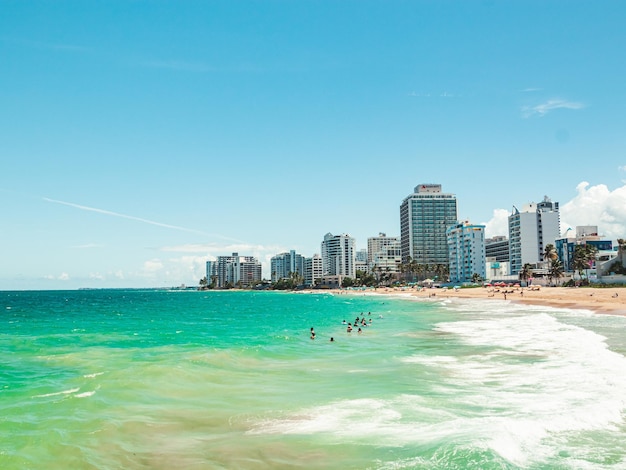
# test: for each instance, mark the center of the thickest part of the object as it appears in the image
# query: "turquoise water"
(231, 380)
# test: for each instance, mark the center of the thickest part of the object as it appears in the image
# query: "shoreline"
(609, 300)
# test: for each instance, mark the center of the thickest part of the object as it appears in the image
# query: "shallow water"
(196, 380)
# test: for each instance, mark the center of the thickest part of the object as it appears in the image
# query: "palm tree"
(526, 272)
(556, 270)
(414, 268)
(583, 258)
(406, 268)
(549, 252)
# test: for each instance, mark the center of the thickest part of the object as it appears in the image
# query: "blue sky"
(140, 138)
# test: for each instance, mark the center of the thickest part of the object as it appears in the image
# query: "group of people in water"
(360, 322)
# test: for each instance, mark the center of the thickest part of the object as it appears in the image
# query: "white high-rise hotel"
(425, 216)
(530, 230)
(338, 255)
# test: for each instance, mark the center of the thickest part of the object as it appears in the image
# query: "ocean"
(157, 379)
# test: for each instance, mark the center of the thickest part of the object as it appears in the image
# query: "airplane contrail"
(138, 219)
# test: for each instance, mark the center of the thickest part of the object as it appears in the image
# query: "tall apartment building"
(234, 270)
(530, 230)
(338, 255)
(384, 253)
(312, 270)
(466, 247)
(425, 216)
(283, 264)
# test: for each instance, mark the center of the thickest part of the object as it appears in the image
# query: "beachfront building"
(425, 217)
(234, 271)
(530, 230)
(384, 254)
(312, 270)
(466, 248)
(497, 257)
(584, 235)
(360, 261)
(338, 255)
(287, 265)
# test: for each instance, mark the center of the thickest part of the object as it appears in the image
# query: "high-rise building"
(425, 216)
(384, 254)
(312, 269)
(338, 255)
(466, 246)
(530, 230)
(233, 271)
(284, 265)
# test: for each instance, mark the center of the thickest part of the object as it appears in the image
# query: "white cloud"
(194, 257)
(60, 277)
(597, 205)
(498, 224)
(152, 266)
(550, 105)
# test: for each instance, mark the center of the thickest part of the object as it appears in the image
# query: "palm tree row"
(412, 270)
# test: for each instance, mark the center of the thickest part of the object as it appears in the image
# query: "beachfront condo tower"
(530, 230)
(425, 216)
(287, 265)
(466, 248)
(338, 255)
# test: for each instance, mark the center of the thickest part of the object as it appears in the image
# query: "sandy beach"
(601, 300)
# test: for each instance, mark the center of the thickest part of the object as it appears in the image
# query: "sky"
(139, 139)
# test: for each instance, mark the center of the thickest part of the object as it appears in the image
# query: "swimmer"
(360, 331)
(332, 339)
(344, 322)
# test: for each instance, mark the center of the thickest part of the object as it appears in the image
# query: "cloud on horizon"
(550, 105)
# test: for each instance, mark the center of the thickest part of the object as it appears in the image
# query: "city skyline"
(140, 140)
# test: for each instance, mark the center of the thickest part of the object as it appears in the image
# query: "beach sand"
(611, 300)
